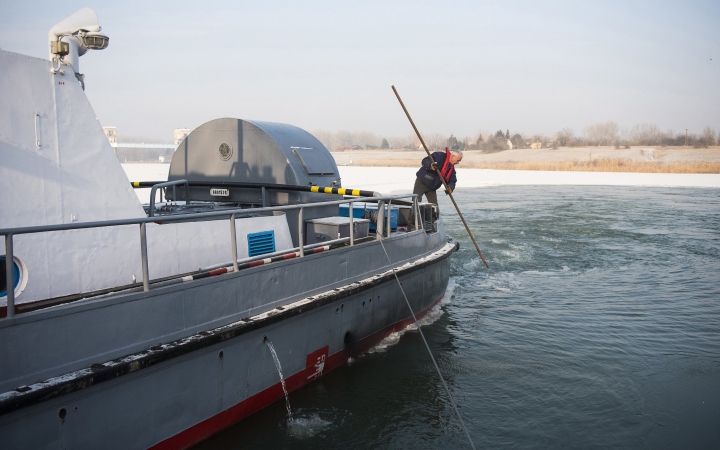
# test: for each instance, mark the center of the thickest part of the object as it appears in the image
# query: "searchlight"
(72, 38)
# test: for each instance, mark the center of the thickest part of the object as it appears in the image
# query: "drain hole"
(363, 303)
(62, 414)
(347, 337)
(220, 355)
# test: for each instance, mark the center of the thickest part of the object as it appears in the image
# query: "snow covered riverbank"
(401, 179)
(396, 179)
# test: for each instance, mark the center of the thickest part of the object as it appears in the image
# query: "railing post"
(143, 252)
(233, 239)
(151, 208)
(265, 201)
(416, 212)
(352, 224)
(10, 275)
(389, 219)
(301, 241)
(379, 222)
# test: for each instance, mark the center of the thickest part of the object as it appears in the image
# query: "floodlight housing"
(72, 38)
(95, 41)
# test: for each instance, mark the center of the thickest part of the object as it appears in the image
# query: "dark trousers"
(420, 189)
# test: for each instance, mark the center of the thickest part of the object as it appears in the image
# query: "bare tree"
(603, 133)
(645, 134)
(435, 140)
(708, 136)
(326, 138)
(565, 137)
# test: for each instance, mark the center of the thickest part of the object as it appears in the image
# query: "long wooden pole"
(437, 169)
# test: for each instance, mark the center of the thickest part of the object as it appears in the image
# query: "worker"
(428, 180)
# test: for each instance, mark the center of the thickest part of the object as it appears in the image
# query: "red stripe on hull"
(234, 414)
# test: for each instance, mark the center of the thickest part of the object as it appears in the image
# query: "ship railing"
(155, 187)
(383, 230)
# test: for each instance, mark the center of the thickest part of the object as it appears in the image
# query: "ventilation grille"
(261, 243)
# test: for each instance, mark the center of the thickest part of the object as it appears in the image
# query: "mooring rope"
(428, 347)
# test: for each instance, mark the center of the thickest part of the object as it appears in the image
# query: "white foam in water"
(302, 428)
(431, 316)
(503, 282)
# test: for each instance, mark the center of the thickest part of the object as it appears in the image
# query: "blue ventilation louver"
(261, 243)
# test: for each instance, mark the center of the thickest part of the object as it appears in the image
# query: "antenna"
(72, 38)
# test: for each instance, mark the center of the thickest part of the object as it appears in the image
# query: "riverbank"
(587, 159)
(401, 179)
(392, 179)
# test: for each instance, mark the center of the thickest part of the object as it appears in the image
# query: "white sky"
(461, 67)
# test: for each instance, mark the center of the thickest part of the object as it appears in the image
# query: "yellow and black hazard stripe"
(278, 187)
(341, 191)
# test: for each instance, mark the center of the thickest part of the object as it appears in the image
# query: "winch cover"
(263, 153)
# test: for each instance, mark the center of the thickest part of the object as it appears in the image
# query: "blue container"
(359, 211)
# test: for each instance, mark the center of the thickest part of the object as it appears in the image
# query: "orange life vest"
(447, 168)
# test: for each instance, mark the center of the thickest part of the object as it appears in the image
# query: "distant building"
(180, 134)
(509, 144)
(536, 144)
(111, 134)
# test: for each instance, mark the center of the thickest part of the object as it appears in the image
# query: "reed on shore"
(595, 165)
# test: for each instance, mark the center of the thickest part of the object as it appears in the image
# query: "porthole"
(19, 276)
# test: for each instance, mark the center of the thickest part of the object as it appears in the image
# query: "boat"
(129, 325)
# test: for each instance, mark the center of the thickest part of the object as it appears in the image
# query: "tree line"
(599, 134)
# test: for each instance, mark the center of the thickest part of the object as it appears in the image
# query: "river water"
(597, 326)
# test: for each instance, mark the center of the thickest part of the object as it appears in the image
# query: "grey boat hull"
(211, 367)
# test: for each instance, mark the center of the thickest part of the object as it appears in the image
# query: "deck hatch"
(314, 161)
(261, 243)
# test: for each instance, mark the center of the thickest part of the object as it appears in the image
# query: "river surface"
(597, 326)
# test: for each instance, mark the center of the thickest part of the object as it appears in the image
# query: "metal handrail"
(155, 187)
(184, 217)
(142, 221)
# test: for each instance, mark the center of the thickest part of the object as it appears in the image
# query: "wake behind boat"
(147, 326)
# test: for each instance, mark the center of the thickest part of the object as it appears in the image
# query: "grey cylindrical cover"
(235, 150)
